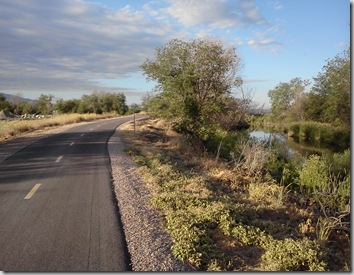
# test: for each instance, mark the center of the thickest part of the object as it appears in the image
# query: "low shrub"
(293, 255)
(313, 175)
(251, 155)
(328, 185)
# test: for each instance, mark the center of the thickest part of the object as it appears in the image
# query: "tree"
(44, 105)
(119, 104)
(193, 77)
(67, 106)
(286, 96)
(329, 99)
(4, 103)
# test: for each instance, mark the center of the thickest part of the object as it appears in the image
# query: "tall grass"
(15, 127)
(323, 133)
(326, 182)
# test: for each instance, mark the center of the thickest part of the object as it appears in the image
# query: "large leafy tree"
(287, 97)
(329, 99)
(44, 105)
(193, 78)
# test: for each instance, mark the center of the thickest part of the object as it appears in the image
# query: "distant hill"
(18, 98)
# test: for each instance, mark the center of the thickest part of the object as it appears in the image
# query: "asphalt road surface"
(57, 209)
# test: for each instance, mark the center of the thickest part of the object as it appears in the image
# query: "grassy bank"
(12, 128)
(230, 216)
(315, 132)
(322, 133)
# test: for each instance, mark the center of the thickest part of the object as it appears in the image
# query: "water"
(305, 148)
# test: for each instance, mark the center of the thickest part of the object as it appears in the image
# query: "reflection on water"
(305, 148)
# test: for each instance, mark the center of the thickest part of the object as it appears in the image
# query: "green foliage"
(44, 105)
(313, 174)
(99, 102)
(5, 104)
(320, 133)
(193, 216)
(193, 77)
(331, 91)
(327, 102)
(67, 106)
(339, 164)
(133, 109)
(293, 255)
(294, 129)
(283, 166)
(286, 96)
(329, 185)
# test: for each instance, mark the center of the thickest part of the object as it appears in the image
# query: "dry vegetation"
(13, 128)
(224, 216)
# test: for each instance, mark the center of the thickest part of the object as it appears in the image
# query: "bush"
(313, 174)
(294, 129)
(291, 255)
(318, 179)
(251, 155)
(339, 164)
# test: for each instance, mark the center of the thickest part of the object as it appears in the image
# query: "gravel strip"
(149, 245)
(148, 242)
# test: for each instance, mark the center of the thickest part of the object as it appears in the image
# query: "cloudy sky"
(68, 48)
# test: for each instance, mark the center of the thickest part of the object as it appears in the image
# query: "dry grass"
(9, 129)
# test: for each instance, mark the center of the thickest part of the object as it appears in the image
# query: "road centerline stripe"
(82, 135)
(59, 158)
(71, 144)
(33, 190)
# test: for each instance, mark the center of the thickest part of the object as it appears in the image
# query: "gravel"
(149, 244)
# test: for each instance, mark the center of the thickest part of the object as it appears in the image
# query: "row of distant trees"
(98, 102)
(326, 101)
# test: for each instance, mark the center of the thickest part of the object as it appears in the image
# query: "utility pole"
(134, 122)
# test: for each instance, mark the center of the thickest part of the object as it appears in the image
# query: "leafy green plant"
(291, 255)
(313, 174)
(316, 178)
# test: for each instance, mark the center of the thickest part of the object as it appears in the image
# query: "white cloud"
(215, 13)
(64, 44)
(266, 44)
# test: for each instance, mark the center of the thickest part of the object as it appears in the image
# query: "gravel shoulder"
(148, 242)
(149, 245)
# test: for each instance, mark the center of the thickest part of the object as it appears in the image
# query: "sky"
(68, 48)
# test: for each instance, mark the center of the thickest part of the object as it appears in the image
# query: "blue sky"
(73, 47)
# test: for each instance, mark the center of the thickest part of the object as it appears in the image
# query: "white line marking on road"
(82, 135)
(91, 129)
(34, 189)
(59, 158)
(71, 144)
